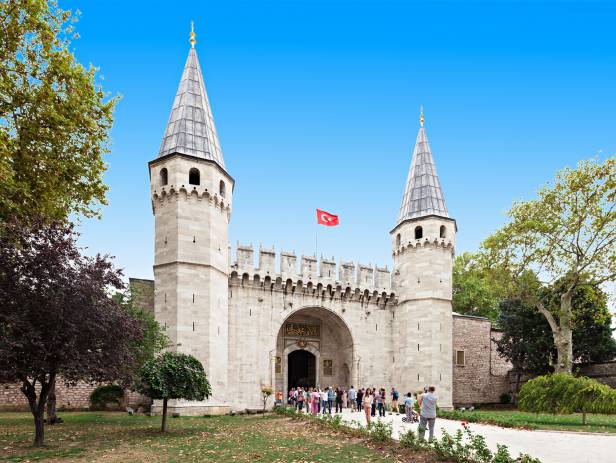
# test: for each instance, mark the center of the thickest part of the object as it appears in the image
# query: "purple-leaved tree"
(57, 319)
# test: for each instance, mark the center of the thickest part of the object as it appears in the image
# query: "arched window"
(164, 176)
(443, 231)
(221, 189)
(398, 240)
(418, 233)
(194, 177)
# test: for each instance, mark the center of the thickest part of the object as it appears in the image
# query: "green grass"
(115, 437)
(517, 419)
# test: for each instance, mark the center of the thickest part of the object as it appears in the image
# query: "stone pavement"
(548, 446)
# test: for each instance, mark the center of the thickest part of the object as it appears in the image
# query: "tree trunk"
(164, 426)
(51, 405)
(563, 336)
(518, 378)
(584, 418)
(39, 430)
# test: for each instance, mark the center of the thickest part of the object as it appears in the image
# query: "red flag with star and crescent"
(327, 219)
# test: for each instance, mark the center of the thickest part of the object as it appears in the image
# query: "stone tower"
(191, 201)
(423, 243)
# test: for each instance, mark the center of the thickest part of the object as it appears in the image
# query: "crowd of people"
(371, 401)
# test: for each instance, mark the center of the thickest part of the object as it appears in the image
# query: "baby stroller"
(413, 418)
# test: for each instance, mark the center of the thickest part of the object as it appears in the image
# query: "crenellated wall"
(359, 278)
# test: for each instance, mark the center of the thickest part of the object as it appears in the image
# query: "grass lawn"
(116, 437)
(514, 418)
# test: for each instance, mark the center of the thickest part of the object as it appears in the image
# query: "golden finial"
(421, 116)
(193, 36)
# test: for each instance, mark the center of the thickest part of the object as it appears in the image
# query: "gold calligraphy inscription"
(303, 330)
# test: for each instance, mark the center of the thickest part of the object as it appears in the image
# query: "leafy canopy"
(54, 117)
(173, 375)
(563, 393)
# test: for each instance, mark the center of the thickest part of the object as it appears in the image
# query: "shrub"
(410, 440)
(505, 398)
(103, 395)
(564, 393)
(380, 432)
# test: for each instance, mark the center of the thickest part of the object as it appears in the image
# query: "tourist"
(291, 399)
(324, 400)
(279, 396)
(427, 413)
(408, 407)
(314, 400)
(300, 399)
(380, 406)
(367, 405)
(338, 399)
(331, 395)
(345, 398)
(373, 408)
(394, 400)
(360, 398)
(308, 399)
(352, 396)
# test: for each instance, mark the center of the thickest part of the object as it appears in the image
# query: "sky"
(316, 104)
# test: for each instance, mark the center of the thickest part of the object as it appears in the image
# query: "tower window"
(222, 188)
(418, 233)
(398, 240)
(164, 176)
(443, 231)
(460, 358)
(194, 177)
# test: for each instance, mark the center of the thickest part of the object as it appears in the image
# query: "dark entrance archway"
(302, 369)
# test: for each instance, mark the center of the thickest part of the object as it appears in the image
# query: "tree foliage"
(54, 117)
(526, 338)
(173, 375)
(56, 317)
(153, 338)
(569, 232)
(475, 290)
(566, 394)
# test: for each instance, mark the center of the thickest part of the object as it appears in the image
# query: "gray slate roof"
(422, 195)
(191, 129)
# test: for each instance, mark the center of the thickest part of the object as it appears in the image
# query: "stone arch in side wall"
(324, 334)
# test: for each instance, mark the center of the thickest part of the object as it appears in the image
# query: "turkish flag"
(327, 219)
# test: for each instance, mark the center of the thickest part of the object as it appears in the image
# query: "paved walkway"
(548, 446)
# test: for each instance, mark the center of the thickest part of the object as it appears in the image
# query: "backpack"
(396, 395)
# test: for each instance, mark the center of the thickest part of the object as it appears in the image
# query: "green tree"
(568, 231)
(526, 337)
(154, 338)
(54, 117)
(593, 339)
(475, 291)
(174, 375)
(564, 393)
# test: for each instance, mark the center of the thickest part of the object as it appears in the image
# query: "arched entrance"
(302, 371)
(314, 348)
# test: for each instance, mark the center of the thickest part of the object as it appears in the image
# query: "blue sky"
(316, 105)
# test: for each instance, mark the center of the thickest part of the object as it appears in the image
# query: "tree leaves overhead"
(54, 117)
(174, 375)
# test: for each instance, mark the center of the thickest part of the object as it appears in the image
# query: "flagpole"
(316, 241)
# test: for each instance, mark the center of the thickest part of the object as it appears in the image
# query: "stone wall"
(68, 398)
(143, 293)
(484, 376)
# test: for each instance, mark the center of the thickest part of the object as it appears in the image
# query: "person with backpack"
(394, 400)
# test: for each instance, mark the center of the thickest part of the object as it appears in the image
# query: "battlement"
(312, 271)
(190, 193)
(424, 242)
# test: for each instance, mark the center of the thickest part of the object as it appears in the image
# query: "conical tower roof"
(423, 195)
(191, 129)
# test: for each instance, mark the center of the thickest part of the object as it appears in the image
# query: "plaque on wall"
(278, 364)
(328, 367)
(303, 330)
